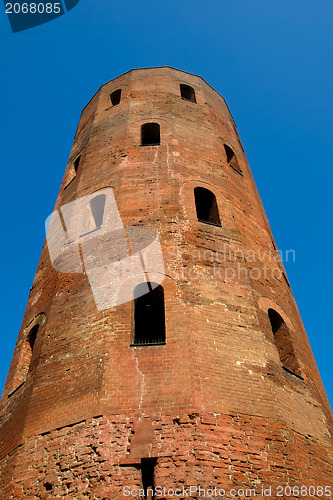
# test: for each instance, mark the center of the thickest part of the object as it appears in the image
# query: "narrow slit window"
(97, 205)
(232, 158)
(76, 164)
(25, 358)
(187, 93)
(283, 343)
(147, 473)
(149, 315)
(286, 279)
(30, 344)
(115, 97)
(150, 134)
(206, 206)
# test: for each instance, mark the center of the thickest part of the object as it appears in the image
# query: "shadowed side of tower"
(207, 379)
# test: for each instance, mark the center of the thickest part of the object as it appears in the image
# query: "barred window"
(149, 315)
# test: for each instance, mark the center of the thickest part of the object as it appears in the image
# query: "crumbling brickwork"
(92, 459)
(233, 398)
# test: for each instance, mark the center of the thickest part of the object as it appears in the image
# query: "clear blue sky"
(272, 62)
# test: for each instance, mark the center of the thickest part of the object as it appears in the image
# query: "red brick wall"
(219, 358)
(93, 459)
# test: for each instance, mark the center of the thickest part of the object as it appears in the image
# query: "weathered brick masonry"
(233, 398)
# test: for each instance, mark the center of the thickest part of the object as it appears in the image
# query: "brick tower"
(202, 375)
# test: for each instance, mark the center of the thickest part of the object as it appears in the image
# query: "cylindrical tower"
(188, 368)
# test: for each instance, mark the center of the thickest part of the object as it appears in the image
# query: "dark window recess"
(150, 134)
(32, 336)
(147, 473)
(31, 339)
(187, 93)
(97, 206)
(149, 316)
(115, 97)
(283, 343)
(206, 206)
(232, 158)
(77, 163)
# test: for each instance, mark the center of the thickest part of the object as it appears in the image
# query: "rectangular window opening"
(150, 134)
(149, 315)
(115, 97)
(187, 92)
(147, 473)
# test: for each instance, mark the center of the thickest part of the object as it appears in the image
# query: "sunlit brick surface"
(214, 405)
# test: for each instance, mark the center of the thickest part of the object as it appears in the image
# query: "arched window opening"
(29, 348)
(115, 97)
(206, 206)
(26, 351)
(282, 340)
(150, 134)
(97, 205)
(149, 315)
(232, 158)
(187, 93)
(76, 163)
(32, 336)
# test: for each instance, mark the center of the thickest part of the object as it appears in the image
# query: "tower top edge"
(133, 70)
